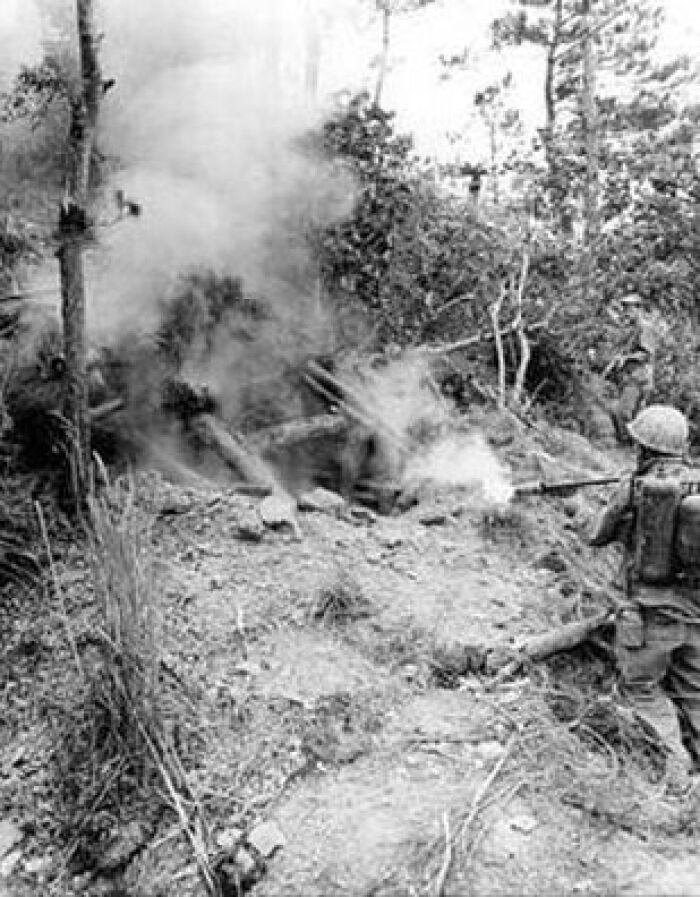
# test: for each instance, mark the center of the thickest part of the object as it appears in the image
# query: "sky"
(350, 34)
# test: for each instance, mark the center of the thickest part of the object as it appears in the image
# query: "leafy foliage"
(416, 257)
(192, 319)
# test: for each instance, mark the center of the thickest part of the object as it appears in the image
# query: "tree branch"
(519, 328)
(495, 311)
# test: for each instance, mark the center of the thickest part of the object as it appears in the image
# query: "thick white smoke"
(209, 100)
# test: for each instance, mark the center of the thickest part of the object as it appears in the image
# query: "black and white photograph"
(349, 448)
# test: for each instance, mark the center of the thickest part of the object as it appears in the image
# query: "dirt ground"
(372, 739)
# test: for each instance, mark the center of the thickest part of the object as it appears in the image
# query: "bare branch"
(519, 328)
(495, 311)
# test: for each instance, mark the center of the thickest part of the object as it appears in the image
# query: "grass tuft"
(117, 753)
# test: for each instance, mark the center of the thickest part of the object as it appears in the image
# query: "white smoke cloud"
(209, 99)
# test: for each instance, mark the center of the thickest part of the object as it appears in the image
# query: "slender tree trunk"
(549, 94)
(493, 149)
(590, 139)
(74, 230)
(385, 8)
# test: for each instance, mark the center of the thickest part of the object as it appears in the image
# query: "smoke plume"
(417, 420)
(202, 122)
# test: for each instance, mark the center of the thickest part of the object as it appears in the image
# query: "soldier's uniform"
(658, 627)
(637, 373)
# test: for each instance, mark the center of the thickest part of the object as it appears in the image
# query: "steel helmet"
(662, 429)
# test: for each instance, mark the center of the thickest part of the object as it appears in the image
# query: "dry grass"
(340, 600)
(117, 757)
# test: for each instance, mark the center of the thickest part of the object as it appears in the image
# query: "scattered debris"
(540, 647)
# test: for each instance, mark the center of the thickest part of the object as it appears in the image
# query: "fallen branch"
(540, 647)
(297, 431)
(99, 412)
(476, 807)
(448, 348)
(349, 402)
(234, 451)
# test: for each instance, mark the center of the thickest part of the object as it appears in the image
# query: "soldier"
(636, 372)
(655, 514)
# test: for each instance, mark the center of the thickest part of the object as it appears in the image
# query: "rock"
(266, 838)
(523, 823)
(322, 500)
(175, 502)
(552, 560)
(490, 751)
(391, 540)
(38, 866)
(277, 511)
(8, 863)
(10, 835)
(229, 839)
(245, 863)
(360, 514)
(121, 847)
(250, 527)
(571, 506)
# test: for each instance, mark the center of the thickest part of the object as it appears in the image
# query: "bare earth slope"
(343, 696)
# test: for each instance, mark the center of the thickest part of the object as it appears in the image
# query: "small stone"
(433, 518)
(266, 838)
(216, 583)
(277, 511)
(176, 503)
(250, 527)
(523, 823)
(571, 506)
(229, 839)
(552, 560)
(391, 540)
(363, 515)
(490, 750)
(8, 863)
(320, 499)
(10, 835)
(38, 866)
(245, 863)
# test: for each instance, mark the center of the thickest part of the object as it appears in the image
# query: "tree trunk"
(493, 149)
(590, 140)
(549, 94)
(73, 231)
(385, 8)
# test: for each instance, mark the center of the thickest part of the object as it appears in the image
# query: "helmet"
(662, 429)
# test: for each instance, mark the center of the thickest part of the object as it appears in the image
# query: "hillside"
(336, 685)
